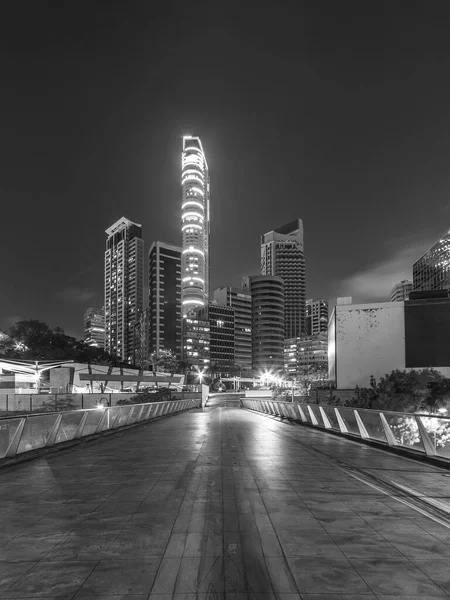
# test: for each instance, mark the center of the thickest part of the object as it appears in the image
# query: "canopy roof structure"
(31, 367)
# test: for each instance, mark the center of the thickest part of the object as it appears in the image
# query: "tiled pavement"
(220, 504)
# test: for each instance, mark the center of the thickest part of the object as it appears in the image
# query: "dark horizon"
(335, 114)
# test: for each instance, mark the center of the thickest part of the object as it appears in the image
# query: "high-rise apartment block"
(401, 291)
(94, 327)
(222, 341)
(282, 256)
(196, 342)
(124, 285)
(316, 316)
(164, 282)
(432, 270)
(241, 302)
(267, 321)
(194, 226)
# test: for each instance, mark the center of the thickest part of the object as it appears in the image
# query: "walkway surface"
(223, 503)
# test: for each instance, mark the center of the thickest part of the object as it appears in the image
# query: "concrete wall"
(370, 340)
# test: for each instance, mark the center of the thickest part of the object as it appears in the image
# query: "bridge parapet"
(27, 433)
(428, 435)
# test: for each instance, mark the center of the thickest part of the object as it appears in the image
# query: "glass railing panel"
(113, 412)
(306, 412)
(373, 424)
(68, 426)
(124, 416)
(146, 413)
(348, 416)
(36, 431)
(405, 430)
(331, 414)
(438, 429)
(8, 428)
(92, 421)
(316, 412)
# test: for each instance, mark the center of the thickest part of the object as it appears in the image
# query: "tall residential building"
(306, 351)
(316, 316)
(196, 342)
(124, 286)
(267, 321)
(164, 283)
(432, 270)
(242, 304)
(194, 225)
(282, 255)
(401, 291)
(94, 327)
(221, 323)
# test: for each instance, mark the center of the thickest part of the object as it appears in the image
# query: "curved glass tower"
(194, 226)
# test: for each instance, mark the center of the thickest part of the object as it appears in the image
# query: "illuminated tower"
(194, 226)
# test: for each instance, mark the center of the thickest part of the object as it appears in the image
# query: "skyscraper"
(221, 347)
(401, 291)
(164, 283)
(124, 285)
(267, 321)
(432, 270)
(94, 327)
(316, 316)
(242, 303)
(282, 256)
(194, 226)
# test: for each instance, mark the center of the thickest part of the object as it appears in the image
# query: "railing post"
(82, 401)
(56, 402)
(31, 403)
(340, 420)
(427, 442)
(54, 431)
(302, 414)
(326, 420)
(313, 416)
(362, 428)
(79, 432)
(390, 437)
(11, 451)
(7, 403)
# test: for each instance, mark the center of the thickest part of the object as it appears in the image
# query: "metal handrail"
(26, 433)
(417, 433)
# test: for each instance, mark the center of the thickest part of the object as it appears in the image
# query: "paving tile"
(59, 579)
(11, 572)
(395, 576)
(326, 575)
(121, 577)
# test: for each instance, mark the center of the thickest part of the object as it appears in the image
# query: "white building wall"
(370, 340)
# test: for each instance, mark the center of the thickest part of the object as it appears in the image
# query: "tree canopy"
(35, 340)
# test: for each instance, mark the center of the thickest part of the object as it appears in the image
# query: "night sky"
(334, 112)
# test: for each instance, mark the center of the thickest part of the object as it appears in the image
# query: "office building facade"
(222, 338)
(164, 282)
(306, 351)
(196, 343)
(401, 291)
(316, 317)
(241, 302)
(282, 255)
(432, 271)
(195, 226)
(124, 286)
(94, 327)
(268, 321)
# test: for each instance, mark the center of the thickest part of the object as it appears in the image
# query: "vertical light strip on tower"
(194, 225)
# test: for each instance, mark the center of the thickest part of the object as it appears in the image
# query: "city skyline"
(93, 120)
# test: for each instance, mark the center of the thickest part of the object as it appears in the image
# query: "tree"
(165, 360)
(306, 375)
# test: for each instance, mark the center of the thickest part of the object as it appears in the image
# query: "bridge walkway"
(224, 503)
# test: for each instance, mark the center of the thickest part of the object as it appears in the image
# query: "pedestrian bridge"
(221, 503)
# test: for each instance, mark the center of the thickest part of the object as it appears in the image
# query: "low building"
(377, 338)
